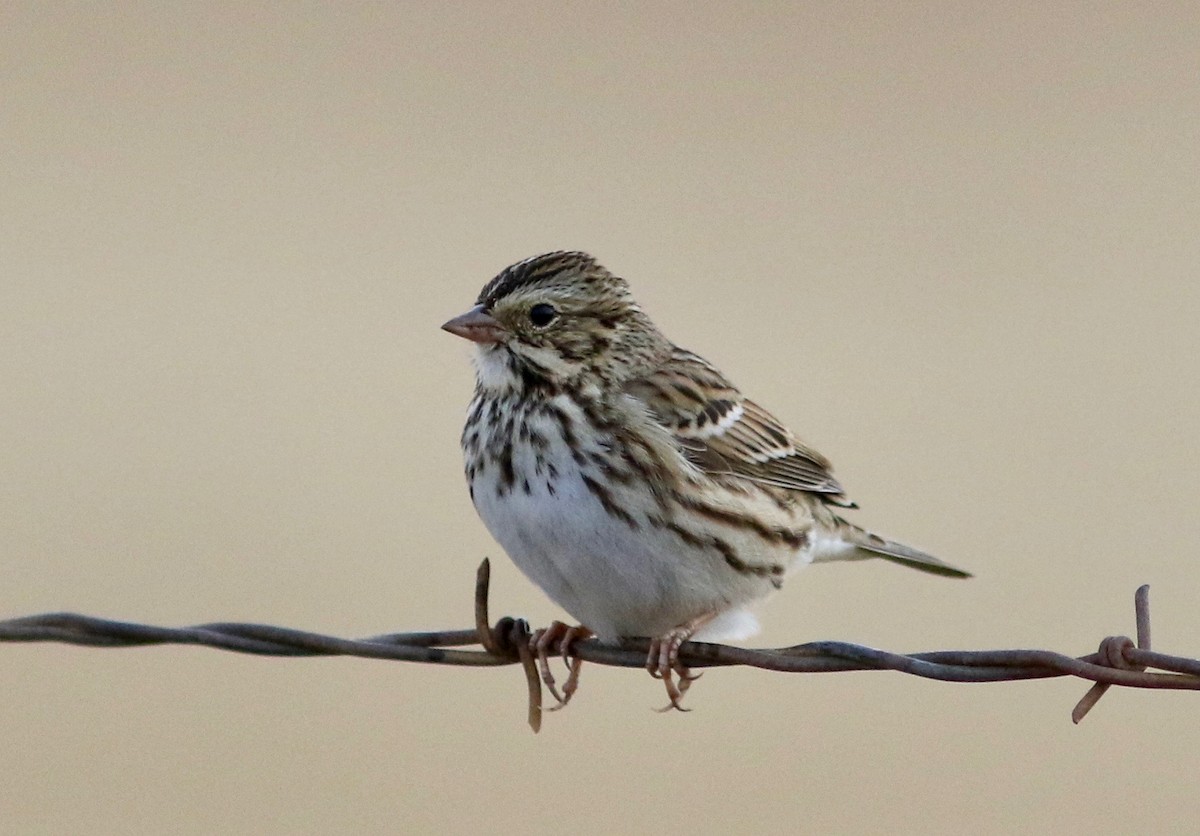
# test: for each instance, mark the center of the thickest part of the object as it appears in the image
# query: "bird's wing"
(722, 431)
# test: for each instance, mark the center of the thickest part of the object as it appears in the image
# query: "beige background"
(953, 245)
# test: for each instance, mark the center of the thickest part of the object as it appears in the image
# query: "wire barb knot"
(500, 641)
(1115, 652)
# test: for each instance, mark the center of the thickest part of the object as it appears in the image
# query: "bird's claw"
(663, 662)
(542, 642)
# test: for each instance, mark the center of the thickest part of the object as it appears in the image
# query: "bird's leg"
(542, 641)
(663, 660)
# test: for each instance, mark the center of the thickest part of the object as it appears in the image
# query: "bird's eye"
(542, 315)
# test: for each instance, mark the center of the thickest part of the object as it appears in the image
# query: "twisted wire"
(1119, 661)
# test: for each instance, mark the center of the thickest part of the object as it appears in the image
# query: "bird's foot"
(562, 635)
(663, 661)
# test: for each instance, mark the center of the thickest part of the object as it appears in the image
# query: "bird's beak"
(476, 325)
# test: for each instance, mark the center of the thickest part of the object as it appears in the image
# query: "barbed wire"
(1119, 661)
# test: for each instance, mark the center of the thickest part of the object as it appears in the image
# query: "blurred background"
(953, 245)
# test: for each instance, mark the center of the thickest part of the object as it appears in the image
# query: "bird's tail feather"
(865, 544)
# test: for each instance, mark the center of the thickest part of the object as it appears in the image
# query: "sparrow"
(629, 479)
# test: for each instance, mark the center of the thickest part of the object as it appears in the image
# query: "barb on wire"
(1119, 660)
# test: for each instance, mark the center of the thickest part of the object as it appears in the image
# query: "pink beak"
(476, 325)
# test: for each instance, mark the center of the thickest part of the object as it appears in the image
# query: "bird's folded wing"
(723, 432)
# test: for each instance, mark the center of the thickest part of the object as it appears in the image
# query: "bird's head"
(558, 320)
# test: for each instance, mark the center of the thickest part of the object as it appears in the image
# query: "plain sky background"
(955, 246)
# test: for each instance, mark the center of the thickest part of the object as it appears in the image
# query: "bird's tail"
(853, 543)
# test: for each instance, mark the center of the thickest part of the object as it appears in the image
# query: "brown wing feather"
(722, 431)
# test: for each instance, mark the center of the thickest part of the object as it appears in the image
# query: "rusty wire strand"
(1119, 660)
